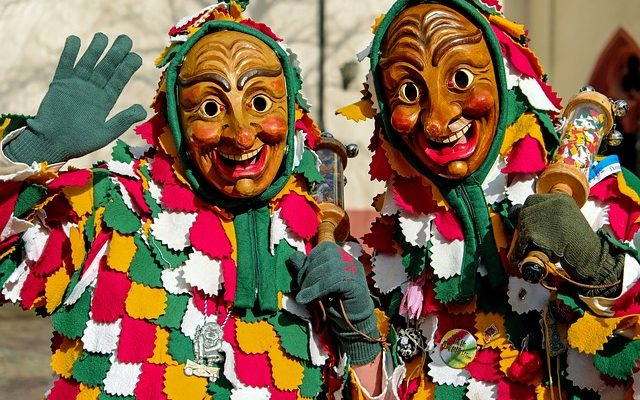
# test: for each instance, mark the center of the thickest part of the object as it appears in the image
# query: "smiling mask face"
(441, 89)
(233, 112)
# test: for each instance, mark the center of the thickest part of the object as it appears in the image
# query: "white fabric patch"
(631, 272)
(13, 286)
(388, 272)
(316, 350)
(291, 305)
(250, 393)
(582, 372)
(446, 258)
(14, 226)
(389, 205)
(279, 230)
(15, 171)
(354, 249)
(89, 277)
(636, 385)
(139, 151)
(416, 228)
(192, 319)
(428, 326)
(525, 297)
(173, 281)
(35, 240)
(101, 337)
(596, 213)
(155, 191)
(495, 183)
(364, 53)
(126, 197)
(172, 229)
(521, 187)
(298, 147)
(478, 390)
(122, 168)
(203, 273)
(121, 379)
(613, 393)
(229, 370)
(372, 90)
(443, 374)
(529, 86)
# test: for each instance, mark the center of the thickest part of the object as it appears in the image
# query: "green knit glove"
(329, 273)
(72, 118)
(554, 224)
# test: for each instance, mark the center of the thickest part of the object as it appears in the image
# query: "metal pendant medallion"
(206, 348)
(409, 343)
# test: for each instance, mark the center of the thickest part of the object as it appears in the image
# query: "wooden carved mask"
(441, 88)
(233, 111)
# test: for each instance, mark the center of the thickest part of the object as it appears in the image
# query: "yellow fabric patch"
(76, 237)
(256, 337)
(589, 333)
(287, 372)
(512, 28)
(4, 125)
(490, 330)
(80, 198)
(627, 191)
(382, 322)
(426, 390)
(178, 386)
(55, 287)
(161, 349)
(398, 162)
(145, 302)
(7, 252)
(229, 230)
(360, 111)
(527, 124)
(499, 232)
(122, 249)
(508, 356)
(88, 393)
(376, 23)
(65, 356)
(97, 221)
(458, 309)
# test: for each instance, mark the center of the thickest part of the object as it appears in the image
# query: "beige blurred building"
(573, 39)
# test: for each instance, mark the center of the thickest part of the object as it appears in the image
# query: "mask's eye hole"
(260, 103)
(210, 108)
(461, 79)
(409, 92)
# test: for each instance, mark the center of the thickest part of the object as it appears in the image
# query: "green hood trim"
(470, 12)
(193, 175)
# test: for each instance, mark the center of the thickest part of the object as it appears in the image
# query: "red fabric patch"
(406, 392)
(151, 130)
(277, 394)
(379, 168)
(32, 289)
(97, 244)
(629, 302)
(110, 294)
(299, 216)
(64, 389)
(430, 303)
(199, 300)
(137, 340)
(448, 225)
(380, 237)
(526, 157)
(485, 366)
(56, 248)
(151, 383)
(179, 198)
(208, 236)
(134, 188)
(508, 390)
(161, 170)
(72, 178)
(307, 125)
(622, 214)
(59, 210)
(413, 197)
(447, 322)
(253, 369)
(229, 274)
(520, 57)
(9, 192)
(262, 28)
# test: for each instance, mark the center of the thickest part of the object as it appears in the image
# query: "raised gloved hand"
(329, 273)
(72, 118)
(554, 224)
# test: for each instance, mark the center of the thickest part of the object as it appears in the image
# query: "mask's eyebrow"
(406, 56)
(257, 72)
(207, 77)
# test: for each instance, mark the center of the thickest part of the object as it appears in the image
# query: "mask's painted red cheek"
(478, 103)
(205, 132)
(404, 119)
(274, 129)
(278, 85)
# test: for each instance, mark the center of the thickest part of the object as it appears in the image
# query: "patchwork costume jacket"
(440, 250)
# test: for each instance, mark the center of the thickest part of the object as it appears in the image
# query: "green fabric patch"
(284, 277)
(413, 259)
(618, 358)
(143, 268)
(165, 256)
(176, 307)
(106, 396)
(394, 300)
(180, 346)
(90, 229)
(551, 138)
(449, 392)
(120, 218)
(571, 303)
(7, 266)
(70, 321)
(29, 196)
(308, 168)
(517, 106)
(121, 152)
(91, 369)
(447, 289)
(148, 198)
(103, 187)
(311, 384)
(294, 334)
(520, 326)
(253, 315)
(485, 8)
(220, 389)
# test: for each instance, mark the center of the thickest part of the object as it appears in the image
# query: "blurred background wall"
(577, 41)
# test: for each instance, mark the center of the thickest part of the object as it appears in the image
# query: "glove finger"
(122, 75)
(116, 54)
(122, 121)
(317, 291)
(67, 57)
(88, 61)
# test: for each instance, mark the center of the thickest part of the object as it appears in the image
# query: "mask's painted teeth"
(240, 157)
(457, 134)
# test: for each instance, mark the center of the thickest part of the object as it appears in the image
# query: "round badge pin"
(458, 348)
